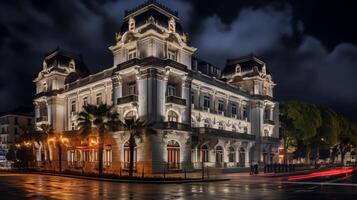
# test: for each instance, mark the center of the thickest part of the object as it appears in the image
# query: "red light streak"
(331, 172)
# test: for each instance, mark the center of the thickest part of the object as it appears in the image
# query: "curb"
(126, 180)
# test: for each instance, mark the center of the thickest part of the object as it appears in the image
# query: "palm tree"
(46, 131)
(104, 119)
(136, 129)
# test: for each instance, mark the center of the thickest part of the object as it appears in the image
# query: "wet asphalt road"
(32, 186)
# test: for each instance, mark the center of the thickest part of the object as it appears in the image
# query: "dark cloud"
(319, 67)
(303, 68)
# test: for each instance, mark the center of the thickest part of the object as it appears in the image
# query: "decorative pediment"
(152, 26)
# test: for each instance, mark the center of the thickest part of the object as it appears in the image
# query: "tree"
(347, 138)
(288, 131)
(46, 132)
(11, 154)
(302, 120)
(328, 131)
(136, 128)
(104, 119)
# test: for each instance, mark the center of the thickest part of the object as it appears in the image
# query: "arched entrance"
(241, 157)
(219, 156)
(232, 155)
(204, 153)
(173, 154)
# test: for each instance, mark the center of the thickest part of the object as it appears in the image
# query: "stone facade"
(201, 114)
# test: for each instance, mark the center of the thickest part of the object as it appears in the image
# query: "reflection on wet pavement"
(20, 186)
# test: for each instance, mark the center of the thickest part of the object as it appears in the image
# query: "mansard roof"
(142, 13)
(205, 67)
(247, 63)
(59, 58)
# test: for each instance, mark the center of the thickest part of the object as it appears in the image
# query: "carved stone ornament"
(118, 37)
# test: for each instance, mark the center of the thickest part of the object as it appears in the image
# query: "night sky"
(309, 46)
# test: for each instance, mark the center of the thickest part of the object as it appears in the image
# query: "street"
(32, 186)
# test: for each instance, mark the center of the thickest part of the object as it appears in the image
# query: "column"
(186, 94)
(117, 88)
(247, 163)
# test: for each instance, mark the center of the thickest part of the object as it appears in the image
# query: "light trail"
(331, 172)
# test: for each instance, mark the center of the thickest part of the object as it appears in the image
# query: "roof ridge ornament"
(131, 24)
(151, 20)
(172, 25)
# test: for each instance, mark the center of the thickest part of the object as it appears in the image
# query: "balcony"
(127, 99)
(204, 131)
(269, 121)
(176, 100)
(173, 125)
(42, 119)
(269, 139)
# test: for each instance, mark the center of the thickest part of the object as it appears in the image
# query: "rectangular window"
(220, 106)
(172, 55)
(192, 97)
(99, 98)
(15, 130)
(85, 101)
(73, 106)
(16, 120)
(206, 102)
(171, 90)
(107, 157)
(132, 88)
(132, 54)
(245, 112)
(234, 109)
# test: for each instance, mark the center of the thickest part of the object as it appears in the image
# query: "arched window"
(204, 153)
(173, 154)
(266, 133)
(207, 123)
(220, 126)
(130, 115)
(232, 155)
(172, 116)
(127, 155)
(219, 156)
(241, 157)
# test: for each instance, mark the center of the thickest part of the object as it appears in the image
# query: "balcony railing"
(174, 125)
(222, 133)
(42, 119)
(127, 99)
(269, 121)
(175, 100)
(269, 139)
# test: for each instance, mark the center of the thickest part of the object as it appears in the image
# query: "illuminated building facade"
(200, 113)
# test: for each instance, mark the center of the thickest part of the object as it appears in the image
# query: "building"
(12, 125)
(201, 114)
